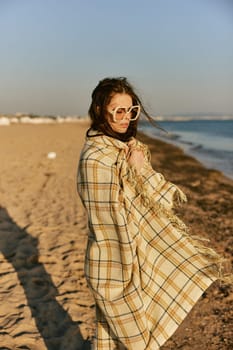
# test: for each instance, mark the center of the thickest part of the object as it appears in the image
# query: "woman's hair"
(101, 97)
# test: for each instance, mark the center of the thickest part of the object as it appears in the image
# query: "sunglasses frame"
(114, 111)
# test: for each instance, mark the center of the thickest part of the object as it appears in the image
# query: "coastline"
(208, 141)
(45, 302)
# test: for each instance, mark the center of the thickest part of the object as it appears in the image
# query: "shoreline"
(44, 299)
(211, 158)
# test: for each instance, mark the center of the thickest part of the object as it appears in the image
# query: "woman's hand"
(135, 156)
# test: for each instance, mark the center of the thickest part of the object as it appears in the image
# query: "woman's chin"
(121, 128)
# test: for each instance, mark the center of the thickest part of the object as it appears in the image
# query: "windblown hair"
(101, 97)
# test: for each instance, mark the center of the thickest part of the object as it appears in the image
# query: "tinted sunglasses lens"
(119, 113)
(135, 112)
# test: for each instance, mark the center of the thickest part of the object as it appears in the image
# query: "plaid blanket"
(143, 268)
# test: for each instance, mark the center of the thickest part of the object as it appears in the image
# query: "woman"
(144, 270)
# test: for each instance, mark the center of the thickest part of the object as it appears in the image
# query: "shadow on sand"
(55, 325)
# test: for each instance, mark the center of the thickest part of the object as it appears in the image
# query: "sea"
(209, 141)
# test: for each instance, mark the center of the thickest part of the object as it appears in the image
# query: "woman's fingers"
(136, 159)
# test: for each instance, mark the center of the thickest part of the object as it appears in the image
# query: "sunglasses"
(120, 113)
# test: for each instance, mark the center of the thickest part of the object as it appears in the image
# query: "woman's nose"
(127, 115)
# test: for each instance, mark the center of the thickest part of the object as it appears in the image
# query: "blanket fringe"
(214, 261)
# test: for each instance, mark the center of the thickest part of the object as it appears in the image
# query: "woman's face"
(119, 100)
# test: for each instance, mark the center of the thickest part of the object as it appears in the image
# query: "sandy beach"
(44, 299)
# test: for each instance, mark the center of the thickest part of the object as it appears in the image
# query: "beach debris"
(51, 155)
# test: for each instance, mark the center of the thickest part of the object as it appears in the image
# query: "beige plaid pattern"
(145, 274)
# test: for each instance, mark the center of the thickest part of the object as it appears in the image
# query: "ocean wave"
(208, 145)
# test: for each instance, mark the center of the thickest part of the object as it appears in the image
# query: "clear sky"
(177, 53)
